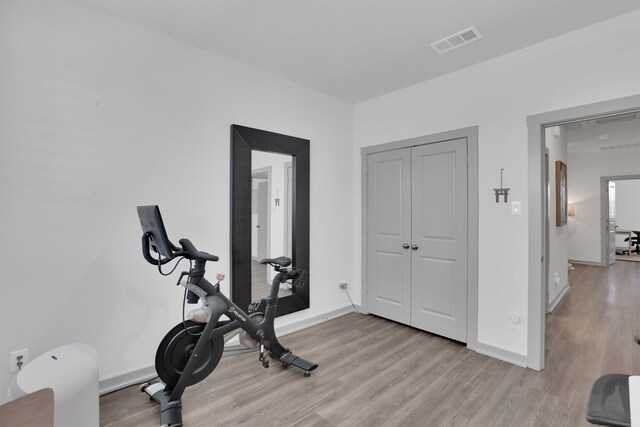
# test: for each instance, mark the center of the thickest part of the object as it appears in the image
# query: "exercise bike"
(193, 348)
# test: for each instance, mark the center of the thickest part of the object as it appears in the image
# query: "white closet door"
(389, 229)
(439, 238)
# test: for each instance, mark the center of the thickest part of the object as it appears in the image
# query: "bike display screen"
(151, 222)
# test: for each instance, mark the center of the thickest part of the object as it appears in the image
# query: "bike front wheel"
(176, 349)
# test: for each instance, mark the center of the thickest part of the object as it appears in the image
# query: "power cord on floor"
(136, 384)
(350, 300)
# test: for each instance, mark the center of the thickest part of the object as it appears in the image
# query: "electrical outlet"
(18, 359)
(515, 321)
(342, 285)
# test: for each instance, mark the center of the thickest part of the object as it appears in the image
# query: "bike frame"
(219, 304)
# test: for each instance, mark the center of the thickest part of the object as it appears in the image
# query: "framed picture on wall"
(561, 193)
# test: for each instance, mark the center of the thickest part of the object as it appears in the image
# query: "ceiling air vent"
(455, 41)
(619, 147)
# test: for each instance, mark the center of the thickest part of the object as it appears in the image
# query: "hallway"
(591, 332)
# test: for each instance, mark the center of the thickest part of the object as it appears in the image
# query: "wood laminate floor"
(374, 372)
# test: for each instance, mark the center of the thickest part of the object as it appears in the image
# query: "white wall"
(587, 165)
(98, 116)
(555, 139)
(593, 64)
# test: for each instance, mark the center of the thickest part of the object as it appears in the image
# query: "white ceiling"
(355, 50)
(621, 132)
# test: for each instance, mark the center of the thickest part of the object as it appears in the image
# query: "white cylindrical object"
(72, 372)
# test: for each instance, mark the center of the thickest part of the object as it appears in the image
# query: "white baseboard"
(147, 373)
(125, 380)
(596, 264)
(553, 304)
(311, 321)
(501, 354)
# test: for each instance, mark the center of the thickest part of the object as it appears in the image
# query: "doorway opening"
(592, 150)
(271, 219)
(260, 230)
(260, 213)
(620, 197)
(288, 220)
(538, 208)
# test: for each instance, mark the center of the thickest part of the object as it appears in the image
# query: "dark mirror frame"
(244, 140)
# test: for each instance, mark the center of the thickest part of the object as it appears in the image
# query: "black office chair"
(609, 401)
(635, 240)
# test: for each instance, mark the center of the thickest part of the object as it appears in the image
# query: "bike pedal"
(264, 357)
(300, 363)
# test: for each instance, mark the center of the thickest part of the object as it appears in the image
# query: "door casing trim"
(604, 213)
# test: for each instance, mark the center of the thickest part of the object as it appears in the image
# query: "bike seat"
(282, 261)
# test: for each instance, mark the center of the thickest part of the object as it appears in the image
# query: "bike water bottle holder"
(254, 307)
(257, 307)
(298, 281)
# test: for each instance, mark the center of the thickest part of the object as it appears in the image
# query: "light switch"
(516, 208)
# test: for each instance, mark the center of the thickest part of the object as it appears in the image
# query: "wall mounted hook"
(501, 191)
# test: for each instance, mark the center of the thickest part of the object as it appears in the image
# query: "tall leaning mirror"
(269, 214)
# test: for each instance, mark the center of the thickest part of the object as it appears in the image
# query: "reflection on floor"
(260, 283)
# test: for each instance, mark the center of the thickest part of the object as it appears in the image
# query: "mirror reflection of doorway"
(288, 183)
(260, 231)
(271, 218)
(262, 218)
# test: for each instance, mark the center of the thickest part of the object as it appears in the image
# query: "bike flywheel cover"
(177, 347)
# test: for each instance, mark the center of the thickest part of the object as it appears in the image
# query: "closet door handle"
(406, 246)
(414, 247)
